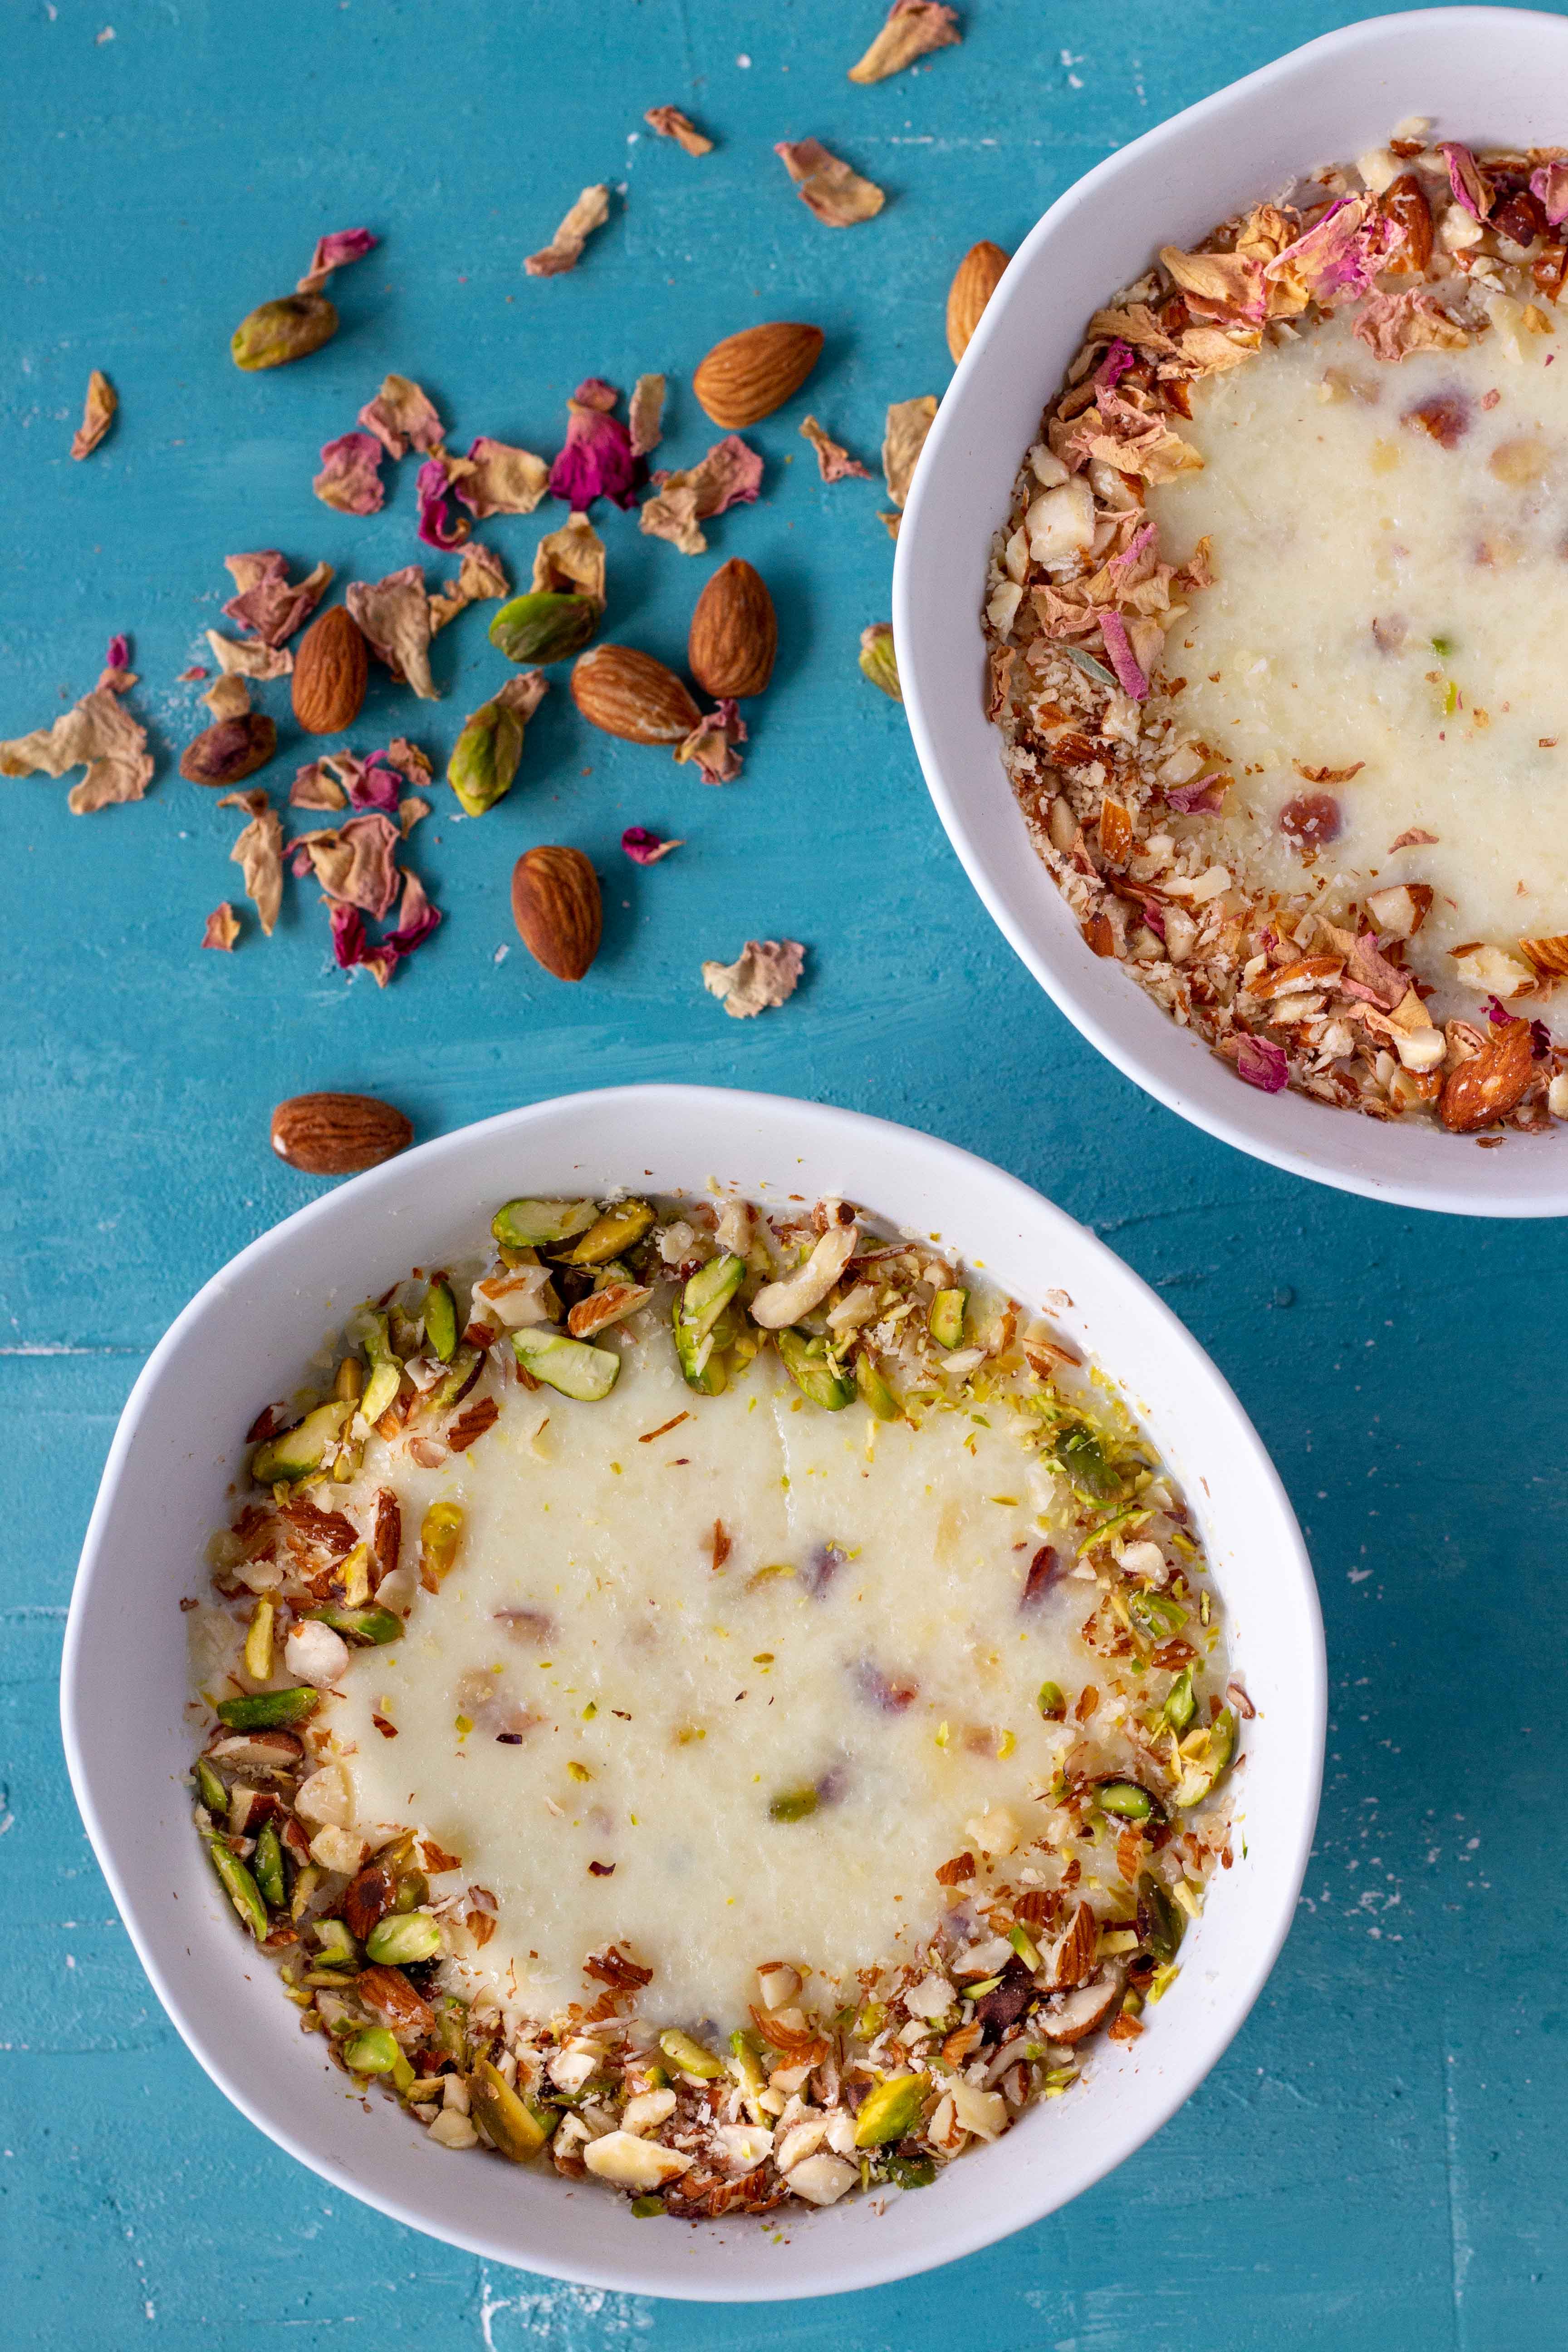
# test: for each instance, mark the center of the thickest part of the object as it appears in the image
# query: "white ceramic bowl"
(1488, 75)
(180, 1443)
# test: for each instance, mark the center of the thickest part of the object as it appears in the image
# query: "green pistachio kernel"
(368, 1626)
(690, 2056)
(645, 2208)
(892, 2109)
(289, 329)
(372, 2052)
(1080, 1453)
(441, 1320)
(485, 757)
(269, 1710)
(511, 2124)
(794, 1805)
(1204, 1768)
(268, 1866)
(1126, 1799)
(1161, 1922)
(401, 1937)
(1180, 1702)
(874, 1390)
(239, 1886)
(1051, 1700)
(544, 625)
(805, 1359)
(210, 1788)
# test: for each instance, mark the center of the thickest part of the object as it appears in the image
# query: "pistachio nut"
(302, 1449)
(1180, 1702)
(794, 1805)
(535, 1224)
(239, 1886)
(892, 2109)
(289, 329)
(368, 1626)
(440, 1531)
(484, 756)
(268, 1866)
(511, 2126)
(403, 1938)
(441, 1320)
(1206, 1766)
(689, 2055)
(613, 1231)
(542, 627)
(1078, 1452)
(1126, 1799)
(386, 1370)
(269, 1710)
(1051, 1700)
(571, 1366)
(1161, 1922)
(946, 1318)
(805, 1359)
(374, 2052)
(874, 1390)
(210, 1788)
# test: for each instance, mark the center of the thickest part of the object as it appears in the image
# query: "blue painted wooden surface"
(1372, 2164)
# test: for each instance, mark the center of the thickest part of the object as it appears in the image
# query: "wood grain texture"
(1370, 2166)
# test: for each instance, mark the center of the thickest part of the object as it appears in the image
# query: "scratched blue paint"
(1374, 2163)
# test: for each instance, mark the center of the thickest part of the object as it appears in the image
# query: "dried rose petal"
(564, 251)
(1118, 359)
(349, 479)
(267, 602)
(712, 744)
(394, 615)
(670, 124)
(1394, 325)
(117, 656)
(1262, 1065)
(730, 474)
(598, 461)
(765, 973)
(914, 27)
(1122, 659)
(1337, 259)
(335, 252)
(441, 525)
(1473, 192)
(481, 575)
(1549, 187)
(833, 462)
(646, 412)
(904, 436)
(571, 560)
(99, 734)
(355, 863)
(1311, 820)
(401, 416)
(1204, 798)
(504, 481)
(96, 415)
(258, 854)
(222, 929)
(249, 657)
(646, 849)
(837, 195)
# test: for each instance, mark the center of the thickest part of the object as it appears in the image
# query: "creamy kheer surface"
(869, 1597)
(727, 1703)
(1391, 579)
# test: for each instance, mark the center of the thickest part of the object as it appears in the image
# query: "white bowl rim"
(1471, 1188)
(802, 2273)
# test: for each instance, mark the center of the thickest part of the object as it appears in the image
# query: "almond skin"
(337, 1135)
(329, 672)
(556, 907)
(629, 694)
(734, 634)
(229, 748)
(974, 283)
(1487, 1086)
(748, 376)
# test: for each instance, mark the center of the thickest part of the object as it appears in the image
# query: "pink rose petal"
(598, 461)
(1259, 1063)
(1120, 654)
(646, 849)
(349, 479)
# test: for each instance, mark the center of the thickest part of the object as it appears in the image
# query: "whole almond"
(975, 281)
(1488, 1086)
(629, 694)
(734, 633)
(337, 1135)
(555, 905)
(229, 748)
(329, 672)
(748, 376)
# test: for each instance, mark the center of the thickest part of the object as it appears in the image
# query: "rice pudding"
(726, 1702)
(1273, 629)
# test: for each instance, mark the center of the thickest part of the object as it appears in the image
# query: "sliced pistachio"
(1180, 1701)
(335, 1944)
(210, 1788)
(1205, 1767)
(485, 757)
(291, 328)
(874, 1390)
(386, 1370)
(446, 1393)
(269, 1710)
(794, 1805)
(369, 1626)
(945, 1320)
(892, 2109)
(701, 1325)
(1024, 1944)
(746, 2064)
(303, 1448)
(1051, 1700)
(910, 2171)
(267, 1867)
(372, 2052)
(1156, 1614)
(440, 1531)
(644, 2208)
(258, 1639)
(614, 1230)
(805, 1359)
(535, 1225)
(354, 1572)
(348, 1381)
(239, 1886)
(512, 2127)
(412, 1890)
(401, 1939)
(543, 625)
(689, 2055)
(572, 1366)
(1078, 1452)
(441, 1320)
(1161, 1923)
(1126, 1799)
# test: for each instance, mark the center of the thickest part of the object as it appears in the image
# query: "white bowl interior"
(1488, 75)
(166, 1486)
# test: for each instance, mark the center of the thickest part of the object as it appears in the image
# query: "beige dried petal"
(222, 929)
(564, 251)
(670, 124)
(394, 615)
(525, 693)
(909, 422)
(671, 513)
(401, 416)
(99, 734)
(838, 196)
(410, 811)
(914, 27)
(571, 560)
(228, 697)
(645, 414)
(729, 475)
(503, 480)
(96, 415)
(480, 576)
(249, 657)
(765, 973)
(833, 462)
(258, 854)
